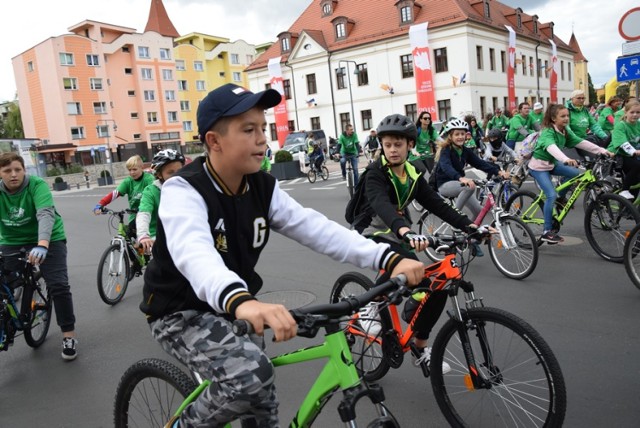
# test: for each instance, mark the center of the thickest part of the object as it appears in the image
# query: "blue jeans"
(543, 178)
(354, 164)
(511, 144)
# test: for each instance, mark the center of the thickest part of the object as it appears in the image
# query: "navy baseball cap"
(231, 100)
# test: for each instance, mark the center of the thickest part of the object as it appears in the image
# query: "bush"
(74, 169)
(58, 179)
(283, 156)
(104, 173)
(52, 172)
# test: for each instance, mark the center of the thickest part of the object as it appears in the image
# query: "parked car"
(300, 136)
(296, 147)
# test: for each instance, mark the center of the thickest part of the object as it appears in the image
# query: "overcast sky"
(30, 22)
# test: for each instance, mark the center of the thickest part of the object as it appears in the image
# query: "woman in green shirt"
(625, 141)
(426, 142)
(29, 220)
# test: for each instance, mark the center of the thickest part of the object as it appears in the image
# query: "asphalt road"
(585, 308)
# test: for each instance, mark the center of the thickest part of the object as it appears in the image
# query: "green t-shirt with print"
(133, 189)
(498, 122)
(149, 203)
(18, 221)
(548, 137)
(623, 132)
(425, 140)
(349, 145)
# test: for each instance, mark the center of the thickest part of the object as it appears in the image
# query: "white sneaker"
(370, 319)
(426, 358)
(626, 194)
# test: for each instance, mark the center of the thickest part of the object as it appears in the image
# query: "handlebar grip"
(242, 327)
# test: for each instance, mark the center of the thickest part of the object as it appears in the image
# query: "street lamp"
(108, 151)
(353, 115)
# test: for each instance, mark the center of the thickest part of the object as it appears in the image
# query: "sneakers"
(369, 319)
(69, 348)
(426, 359)
(627, 195)
(550, 237)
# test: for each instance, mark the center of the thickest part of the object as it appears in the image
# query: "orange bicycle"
(502, 372)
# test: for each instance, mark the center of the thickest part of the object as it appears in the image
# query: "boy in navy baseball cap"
(215, 218)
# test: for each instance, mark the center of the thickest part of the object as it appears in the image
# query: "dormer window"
(285, 44)
(405, 15)
(487, 9)
(535, 23)
(519, 18)
(341, 32)
(328, 7)
(343, 27)
(551, 30)
(408, 9)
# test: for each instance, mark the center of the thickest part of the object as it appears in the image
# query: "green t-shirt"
(602, 119)
(498, 122)
(149, 203)
(580, 121)
(425, 140)
(623, 132)
(18, 221)
(516, 122)
(349, 145)
(133, 189)
(548, 137)
(617, 117)
(536, 119)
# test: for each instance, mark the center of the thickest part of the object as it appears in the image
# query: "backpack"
(529, 145)
(354, 214)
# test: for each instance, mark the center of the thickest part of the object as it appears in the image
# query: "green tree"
(13, 123)
(622, 92)
(593, 96)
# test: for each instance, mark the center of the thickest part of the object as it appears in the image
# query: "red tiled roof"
(573, 42)
(379, 20)
(159, 20)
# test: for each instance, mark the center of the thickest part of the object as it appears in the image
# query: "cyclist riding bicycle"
(372, 146)
(349, 151)
(428, 138)
(497, 149)
(316, 156)
(216, 215)
(625, 141)
(390, 184)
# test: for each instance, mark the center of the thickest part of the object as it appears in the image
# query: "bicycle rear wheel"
(514, 251)
(366, 349)
(632, 256)
(607, 223)
(36, 307)
(523, 382)
(113, 274)
(149, 393)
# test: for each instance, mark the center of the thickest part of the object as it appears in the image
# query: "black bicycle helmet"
(494, 133)
(164, 157)
(397, 124)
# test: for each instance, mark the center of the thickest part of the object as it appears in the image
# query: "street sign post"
(628, 68)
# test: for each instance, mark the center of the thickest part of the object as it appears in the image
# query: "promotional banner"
(425, 91)
(280, 111)
(511, 83)
(553, 79)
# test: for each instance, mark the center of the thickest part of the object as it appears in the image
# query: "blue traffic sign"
(628, 68)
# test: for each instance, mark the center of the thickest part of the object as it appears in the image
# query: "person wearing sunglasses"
(428, 137)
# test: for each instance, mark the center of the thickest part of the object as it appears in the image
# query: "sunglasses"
(425, 118)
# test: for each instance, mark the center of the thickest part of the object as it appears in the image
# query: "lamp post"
(353, 115)
(108, 151)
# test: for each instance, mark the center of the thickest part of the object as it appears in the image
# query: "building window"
(149, 95)
(535, 26)
(66, 58)
(30, 66)
(546, 69)
(200, 85)
(187, 126)
(92, 60)
(411, 111)
(366, 119)
(170, 95)
(143, 52)
(146, 74)
(77, 133)
(235, 58)
(185, 106)
(198, 66)
(165, 53)
(341, 31)
(311, 84)
(100, 107)
(562, 70)
(167, 74)
(492, 59)
(273, 130)
(315, 123)
(285, 44)
(523, 62)
(131, 93)
(494, 103)
(345, 119)
(286, 86)
(172, 116)
(340, 82)
(479, 61)
(406, 63)
(292, 125)
(363, 74)
(237, 77)
(249, 58)
(152, 117)
(182, 85)
(483, 106)
(487, 9)
(442, 64)
(326, 9)
(180, 65)
(519, 20)
(568, 72)
(73, 108)
(406, 16)
(95, 84)
(70, 83)
(103, 131)
(444, 109)
(530, 66)
(128, 70)
(505, 102)
(134, 115)
(503, 60)
(221, 73)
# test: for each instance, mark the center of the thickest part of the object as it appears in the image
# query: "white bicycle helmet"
(454, 124)
(164, 157)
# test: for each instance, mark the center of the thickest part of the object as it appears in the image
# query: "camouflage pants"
(242, 375)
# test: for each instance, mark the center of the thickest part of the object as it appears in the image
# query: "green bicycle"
(152, 390)
(608, 217)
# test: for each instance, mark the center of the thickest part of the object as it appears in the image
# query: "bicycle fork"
(116, 264)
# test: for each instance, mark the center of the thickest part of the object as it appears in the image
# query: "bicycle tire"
(367, 351)
(324, 173)
(514, 251)
(311, 176)
(519, 203)
(431, 225)
(631, 256)
(350, 181)
(36, 310)
(505, 190)
(113, 285)
(607, 224)
(149, 393)
(519, 367)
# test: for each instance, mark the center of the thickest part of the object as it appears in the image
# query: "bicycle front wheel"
(311, 176)
(324, 173)
(594, 190)
(36, 305)
(514, 250)
(607, 223)
(149, 394)
(632, 256)
(113, 274)
(366, 348)
(350, 181)
(522, 383)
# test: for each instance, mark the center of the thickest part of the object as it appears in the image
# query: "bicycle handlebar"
(105, 210)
